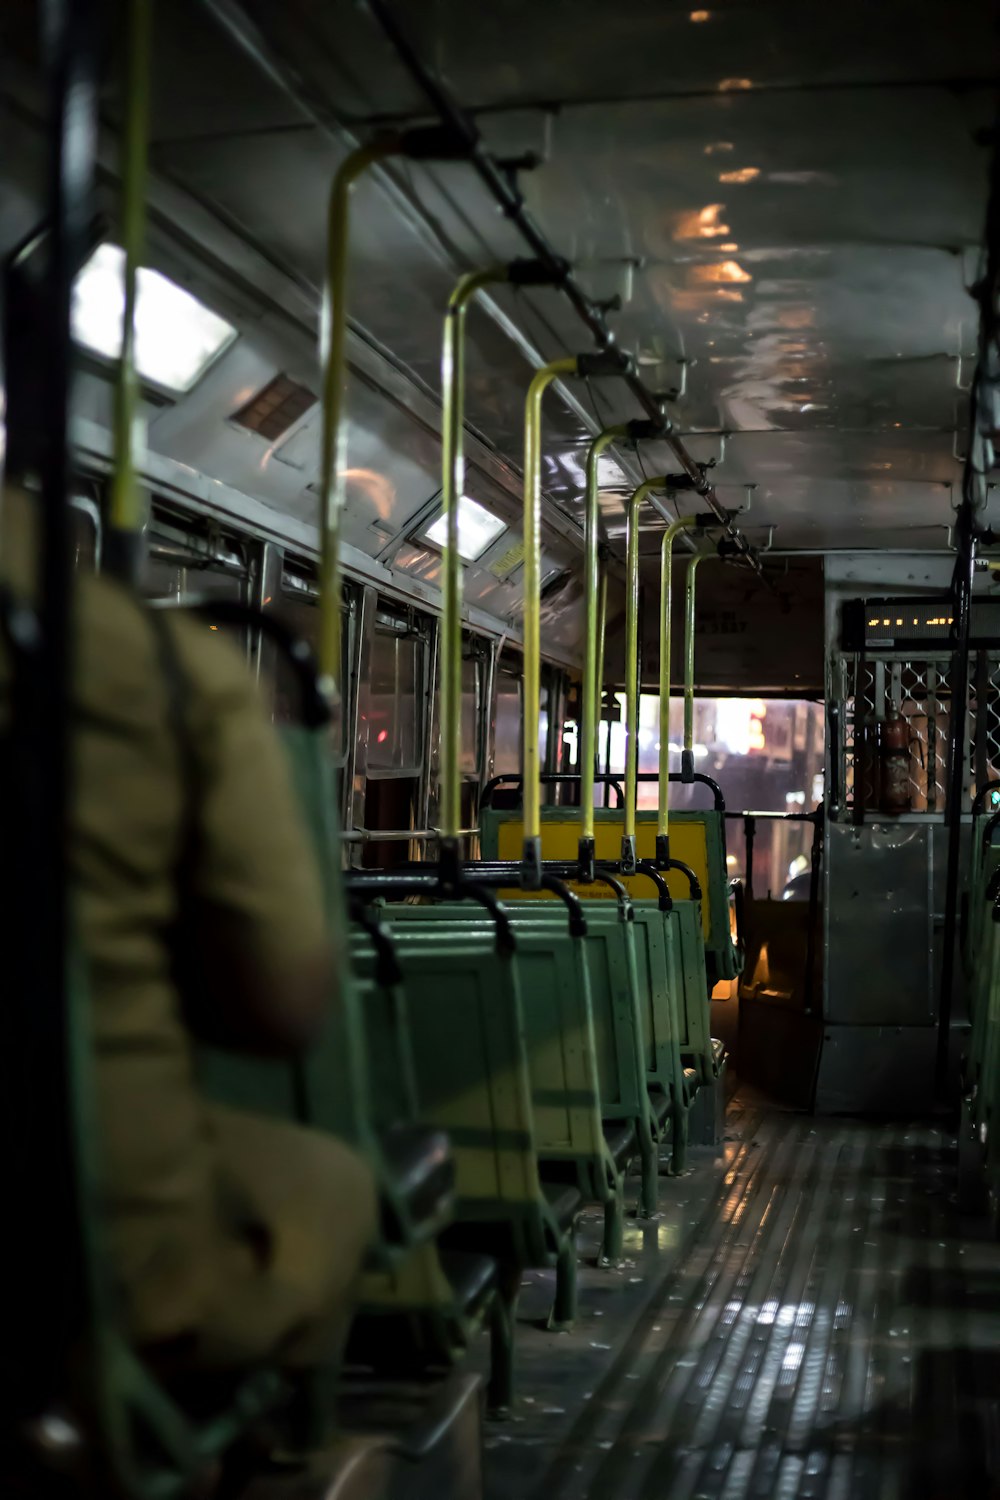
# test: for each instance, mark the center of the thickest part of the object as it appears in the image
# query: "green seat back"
(697, 839)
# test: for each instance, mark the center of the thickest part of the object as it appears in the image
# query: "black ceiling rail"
(502, 183)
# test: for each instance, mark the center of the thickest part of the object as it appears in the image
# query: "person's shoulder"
(129, 650)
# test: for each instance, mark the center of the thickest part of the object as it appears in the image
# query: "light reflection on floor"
(806, 1317)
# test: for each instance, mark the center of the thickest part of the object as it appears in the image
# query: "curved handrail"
(648, 868)
(739, 907)
(548, 778)
(694, 884)
(390, 886)
(507, 873)
(387, 970)
(979, 800)
(988, 829)
(696, 776)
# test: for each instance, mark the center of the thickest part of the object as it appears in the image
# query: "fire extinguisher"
(894, 762)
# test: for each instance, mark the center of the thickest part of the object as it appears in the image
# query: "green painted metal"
(125, 516)
(452, 485)
(695, 1040)
(617, 1008)
(465, 1002)
(559, 1028)
(659, 987)
(595, 597)
(719, 951)
(333, 447)
(531, 765)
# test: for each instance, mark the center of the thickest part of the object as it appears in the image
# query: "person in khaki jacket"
(235, 1239)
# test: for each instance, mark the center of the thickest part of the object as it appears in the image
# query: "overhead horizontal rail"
(501, 181)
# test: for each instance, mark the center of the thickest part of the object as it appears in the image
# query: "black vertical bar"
(862, 748)
(52, 1292)
(749, 834)
(961, 613)
(816, 855)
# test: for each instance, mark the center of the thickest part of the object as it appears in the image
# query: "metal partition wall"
(885, 909)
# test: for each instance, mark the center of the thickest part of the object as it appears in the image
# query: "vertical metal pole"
(452, 485)
(44, 1182)
(962, 594)
(333, 448)
(687, 755)
(530, 768)
(602, 626)
(124, 530)
(683, 523)
(632, 665)
(595, 607)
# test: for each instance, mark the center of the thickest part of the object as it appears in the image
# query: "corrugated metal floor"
(808, 1317)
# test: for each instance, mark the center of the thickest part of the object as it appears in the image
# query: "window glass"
(395, 692)
(85, 533)
(471, 755)
(298, 609)
(471, 750)
(507, 739)
(765, 753)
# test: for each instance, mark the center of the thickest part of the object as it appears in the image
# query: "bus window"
(396, 689)
(507, 736)
(297, 608)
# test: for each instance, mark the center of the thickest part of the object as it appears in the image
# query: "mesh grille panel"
(275, 408)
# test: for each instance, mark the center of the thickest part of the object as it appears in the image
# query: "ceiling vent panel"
(276, 408)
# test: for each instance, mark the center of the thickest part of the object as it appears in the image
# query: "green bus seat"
(464, 1000)
(572, 1134)
(697, 838)
(671, 1085)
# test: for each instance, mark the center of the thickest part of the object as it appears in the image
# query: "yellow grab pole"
(632, 665)
(595, 607)
(531, 768)
(125, 527)
(684, 523)
(687, 754)
(333, 355)
(602, 625)
(452, 485)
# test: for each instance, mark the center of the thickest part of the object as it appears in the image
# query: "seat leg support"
(649, 1196)
(563, 1314)
(679, 1143)
(500, 1391)
(613, 1244)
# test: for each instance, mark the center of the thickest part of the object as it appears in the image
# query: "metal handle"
(833, 715)
(387, 970)
(635, 502)
(683, 523)
(979, 801)
(595, 604)
(531, 608)
(452, 482)
(387, 885)
(550, 778)
(694, 884)
(333, 444)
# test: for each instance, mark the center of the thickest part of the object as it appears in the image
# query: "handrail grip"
(389, 885)
(979, 800)
(550, 778)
